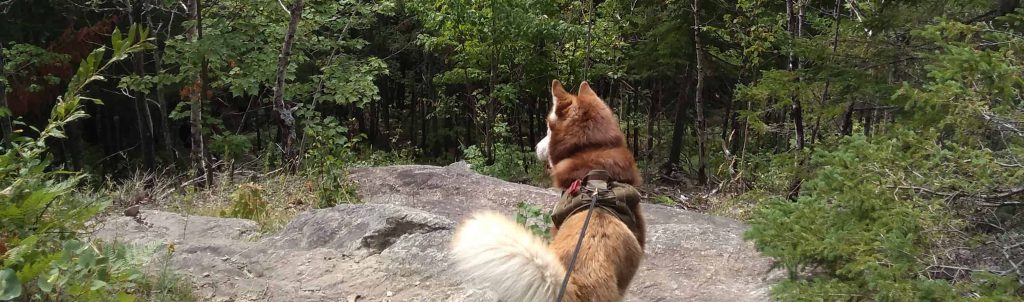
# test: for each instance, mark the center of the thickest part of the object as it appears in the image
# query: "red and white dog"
(491, 250)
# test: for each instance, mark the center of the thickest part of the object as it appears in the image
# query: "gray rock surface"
(392, 247)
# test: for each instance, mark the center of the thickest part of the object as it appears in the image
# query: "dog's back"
(489, 249)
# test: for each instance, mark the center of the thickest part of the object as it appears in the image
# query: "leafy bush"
(231, 147)
(42, 213)
(534, 218)
(327, 160)
(851, 234)
(510, 163)
(847, 224)
(247, 202)
(872, 223)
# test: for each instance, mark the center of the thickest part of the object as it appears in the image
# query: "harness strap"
(615, 198)
(579, 244)
(597, 184)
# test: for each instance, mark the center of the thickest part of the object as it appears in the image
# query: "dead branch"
(985, 199)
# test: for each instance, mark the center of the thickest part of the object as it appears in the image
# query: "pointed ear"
(585, 90)
(561, 100)
(558, 91)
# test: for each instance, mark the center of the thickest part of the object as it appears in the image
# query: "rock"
(132, 211)
(393, 246)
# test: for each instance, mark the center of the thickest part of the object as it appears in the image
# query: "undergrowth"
(534, 218)
(44, 209)
(510, 164)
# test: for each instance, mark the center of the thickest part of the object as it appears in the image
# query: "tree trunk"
(199, 154)
(835, 45)
(142, 119)
(795, 13)
(284, 113)
(698, 99)
(470, 114)
(652, 115)
(165, 124)
(489, 110)
(869, 115)
(678, 126)
(423, 124)
(5, 113)
(846, 127)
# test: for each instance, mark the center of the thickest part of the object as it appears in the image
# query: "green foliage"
(534, 218)
(664, 200)
(41, 211)
(861, 228)
(85, 272)
(247, 202)
(847, 223)
(327, 159)
(10, 287)
(510, 163)
(21, 59)
(231, 146)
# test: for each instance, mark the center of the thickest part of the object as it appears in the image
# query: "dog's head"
(577, 122)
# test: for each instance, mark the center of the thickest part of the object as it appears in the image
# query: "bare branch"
(987, 199)
(1004, 124)
(284, 7)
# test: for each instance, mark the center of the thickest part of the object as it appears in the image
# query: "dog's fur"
(490, 250)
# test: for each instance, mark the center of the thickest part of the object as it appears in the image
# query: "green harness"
(612, 196)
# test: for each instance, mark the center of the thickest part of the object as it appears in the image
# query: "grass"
(739, 207)
(157, 282)
(165, 285)
(271, 202)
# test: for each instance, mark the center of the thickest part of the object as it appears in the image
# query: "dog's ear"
(558, 91)
(562, 99)
(585, 90)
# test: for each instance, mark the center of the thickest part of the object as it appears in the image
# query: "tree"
(795, 18)
(143, 118)
(5, 111)
(678, 126)
(698, 99)
(284, 112)
(200, 158)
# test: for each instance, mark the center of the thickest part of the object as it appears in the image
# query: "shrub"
(42, 214)
(247, 202)
(510, 163)
(850, 236)
(534, 218)
(327, 160)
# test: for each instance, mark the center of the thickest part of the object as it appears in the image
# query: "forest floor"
(287, 195)
(386, 247)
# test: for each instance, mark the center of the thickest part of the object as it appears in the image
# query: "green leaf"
(115, 40)
(87, 259)
(45, 284)
(144, 34)
(93, 100)
(10, 287)
(125, 297)
(97, 284)
(132, 33)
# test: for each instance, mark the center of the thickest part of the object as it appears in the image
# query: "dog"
(490, 250)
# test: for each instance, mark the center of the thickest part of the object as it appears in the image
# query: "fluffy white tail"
(493, 251)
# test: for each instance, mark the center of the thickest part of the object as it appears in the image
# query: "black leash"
(579, 243)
